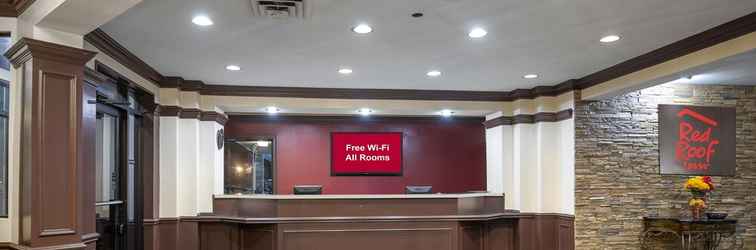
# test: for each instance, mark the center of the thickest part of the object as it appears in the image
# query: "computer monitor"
(308, 189)
(418, 189)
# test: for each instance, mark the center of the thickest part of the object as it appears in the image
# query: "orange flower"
(707, 180)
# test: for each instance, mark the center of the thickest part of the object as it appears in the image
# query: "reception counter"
(366, 222)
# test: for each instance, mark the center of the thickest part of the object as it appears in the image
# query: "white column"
(567, 166)
(495, 160)
(210, 169)
(501, 175)
(528, 192)
(188, 166)
(549, 159)
(169, 141)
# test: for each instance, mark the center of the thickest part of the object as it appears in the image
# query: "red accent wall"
(448, 154)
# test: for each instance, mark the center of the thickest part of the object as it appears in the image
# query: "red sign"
(697, 140)
(366, 153)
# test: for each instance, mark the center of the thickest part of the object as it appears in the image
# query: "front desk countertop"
(356, 196)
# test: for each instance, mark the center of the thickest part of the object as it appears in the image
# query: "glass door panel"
(109, 205)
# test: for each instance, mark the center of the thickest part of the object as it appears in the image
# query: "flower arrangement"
(699, 187)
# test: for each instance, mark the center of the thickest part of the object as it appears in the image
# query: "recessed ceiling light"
(202, 21)
(345, 71)
(477, 33)
(687, 78)
(272, 110)
(446, 113)
(610, 39)
(530, 76)
(233, 67)
(362, 29)
(365, 111)
(433, 73)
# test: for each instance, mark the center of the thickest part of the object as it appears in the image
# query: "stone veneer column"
(57, 134)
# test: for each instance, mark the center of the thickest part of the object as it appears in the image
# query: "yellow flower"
(697, 183)
(695, 202)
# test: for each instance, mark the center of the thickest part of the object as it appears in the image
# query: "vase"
(696, 212)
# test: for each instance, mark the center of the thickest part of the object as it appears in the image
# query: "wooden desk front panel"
(430, 235)
(368, 236)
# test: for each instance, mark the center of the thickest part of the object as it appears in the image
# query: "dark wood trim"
(26, 48)
(193, 113)
(350, 118)
(733, 29)
(214, 116)
(14, 8)
(344, 93)
(118, 52)
(170, 110)
(190, 113)
(529, 119)
(13, 246)
(93, 77)
(713, 36)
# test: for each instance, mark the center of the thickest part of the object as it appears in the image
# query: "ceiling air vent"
(280, 9)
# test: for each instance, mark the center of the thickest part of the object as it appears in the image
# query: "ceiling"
(735, 70)
(556, 39)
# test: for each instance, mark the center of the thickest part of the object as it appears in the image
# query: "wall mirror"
(249, 166)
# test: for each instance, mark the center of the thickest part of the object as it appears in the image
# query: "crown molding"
(14, 8)
(249, 117)
(529, 118)
(26, 48)
(721, 33)
(733, 29)
(118, 52)
(192, 113)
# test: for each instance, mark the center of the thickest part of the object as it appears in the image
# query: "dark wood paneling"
(219, 236)
(361, 207)
(302, 146)
(566, 232)
(526, 234)
(501, 235)
(369, 236)
(188, 236)
(471, 236)
(546, 231)
(310, 224)
(87, 171)
(54, 112)
(151, 236)
(529, 119)
(168, 231)
(256, 237)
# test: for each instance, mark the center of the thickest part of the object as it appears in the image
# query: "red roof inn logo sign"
(696, 140)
